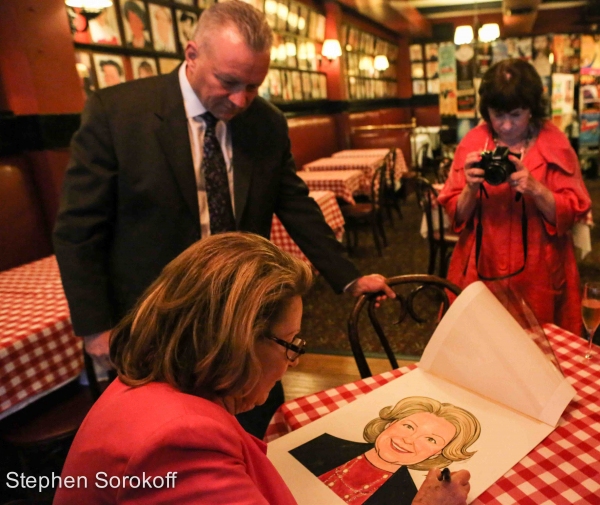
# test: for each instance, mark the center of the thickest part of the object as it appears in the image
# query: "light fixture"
(489, 32)
(331, 49)
(89, 5)
(463, 35)
(381, 62)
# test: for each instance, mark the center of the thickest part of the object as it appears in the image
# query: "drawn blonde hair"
(467, 427)
(196, 326)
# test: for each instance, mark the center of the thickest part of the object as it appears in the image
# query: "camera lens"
(495, 174)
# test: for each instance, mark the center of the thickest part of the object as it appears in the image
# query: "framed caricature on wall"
(163, 30)
(143, 67)
(110, 69)
(136, 24)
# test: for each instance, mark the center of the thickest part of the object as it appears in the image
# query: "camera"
(496, 165)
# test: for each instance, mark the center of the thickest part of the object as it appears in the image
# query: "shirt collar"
(191, 102)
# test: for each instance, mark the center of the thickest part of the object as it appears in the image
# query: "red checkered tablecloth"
(367, 164)
(38, 350)
(563, 469)
(380, 153)
(333, 216)
(343, 183)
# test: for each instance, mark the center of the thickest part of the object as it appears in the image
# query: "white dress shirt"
(196, 128)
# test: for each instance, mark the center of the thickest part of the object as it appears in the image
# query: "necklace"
(340, 482)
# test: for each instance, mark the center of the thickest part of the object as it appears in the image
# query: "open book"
(483, 396)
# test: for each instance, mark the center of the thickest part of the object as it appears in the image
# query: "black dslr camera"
(496, 165)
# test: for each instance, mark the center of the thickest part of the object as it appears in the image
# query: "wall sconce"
(463, 35)
(381, 63)
(489, 32)
(89, 5)
(331, 49)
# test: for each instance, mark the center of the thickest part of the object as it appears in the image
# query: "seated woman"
(208, 339)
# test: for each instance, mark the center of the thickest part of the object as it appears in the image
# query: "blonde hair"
(467, 427)
(250, 23)
(196, 326)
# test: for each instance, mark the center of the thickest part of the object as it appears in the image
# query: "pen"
(445, 475)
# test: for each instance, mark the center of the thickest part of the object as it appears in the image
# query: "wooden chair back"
(420, 299)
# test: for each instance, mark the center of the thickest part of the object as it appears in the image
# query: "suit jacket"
(327, 452)
(129, 203)
(154, 430)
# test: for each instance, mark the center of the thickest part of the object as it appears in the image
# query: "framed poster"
(136, 25)
(102, 29)
(286, 85)
(163, 30)
(143, 67)
(110, 69)
(167, 65)
(417, 71)
(186, 24)
(415, 52)
(275, 88)
(431, 52)
(419, 87)
(296, 85)
(322, 84)
(315, 86)
(306, 91)
(85, 71)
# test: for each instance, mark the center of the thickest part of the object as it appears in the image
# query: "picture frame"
(431, 51)
(315, 86)
(286, 86)
(415, 52)
(103, 29)
(303, 14)
(282, 15)
(163, 29)
(306, 86)
(109, 69)
(275, 85)
(417, 70)
(322, 85)
(143, 66)
(167, 65)
(271, 12)
(136, 24)
(292, 52)
(186, 25)
(86, 73)
(296, 85)
(292, 18)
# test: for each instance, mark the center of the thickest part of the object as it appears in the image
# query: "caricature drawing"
(417, 433)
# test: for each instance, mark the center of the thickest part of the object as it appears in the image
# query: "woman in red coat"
(524, 214)
(208, 340)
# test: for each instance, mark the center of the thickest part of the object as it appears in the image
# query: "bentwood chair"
(423, 298)
(367, 214)
(391, 193)
(440, 237)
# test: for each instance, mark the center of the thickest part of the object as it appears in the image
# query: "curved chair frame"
(405, 308)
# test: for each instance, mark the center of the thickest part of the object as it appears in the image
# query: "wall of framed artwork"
(148, 37)
(359, 50)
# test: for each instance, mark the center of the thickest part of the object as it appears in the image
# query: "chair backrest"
(424, 298)
(434, 213)
(378, 185)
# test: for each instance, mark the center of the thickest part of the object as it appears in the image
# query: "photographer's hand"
(473, 178)
(523, 182)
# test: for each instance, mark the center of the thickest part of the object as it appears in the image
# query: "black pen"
(445, 475)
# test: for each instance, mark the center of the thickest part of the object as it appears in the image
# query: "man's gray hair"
(250, 23)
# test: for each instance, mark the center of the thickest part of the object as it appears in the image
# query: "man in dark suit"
(136, 192)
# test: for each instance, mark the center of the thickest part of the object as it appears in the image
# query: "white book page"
(478, 345)
(506, 436)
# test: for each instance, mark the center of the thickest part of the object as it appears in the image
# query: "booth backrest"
(24, 233)
(369, 139)
(313, 137)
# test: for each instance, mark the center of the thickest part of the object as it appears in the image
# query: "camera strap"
(479, 236)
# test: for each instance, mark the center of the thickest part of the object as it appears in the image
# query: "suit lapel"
(173, 137)
(243, 145)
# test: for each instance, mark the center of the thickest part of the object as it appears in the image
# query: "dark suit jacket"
(129, 203)
(327, 452)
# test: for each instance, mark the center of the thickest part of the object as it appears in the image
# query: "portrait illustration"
(135, 21)
(417, 433)
(110, 69)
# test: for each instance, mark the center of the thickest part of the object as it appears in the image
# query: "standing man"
(159, 163)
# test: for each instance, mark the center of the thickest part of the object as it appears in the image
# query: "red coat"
(550, 281)
(156, 429)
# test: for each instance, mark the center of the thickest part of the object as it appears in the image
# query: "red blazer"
(154, 429)
(550, 281)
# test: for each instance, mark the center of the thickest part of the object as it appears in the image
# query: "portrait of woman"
(417, 433)
(162, 28)
(136, 25)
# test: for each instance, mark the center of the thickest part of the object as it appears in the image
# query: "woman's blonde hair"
(467, 427)
(196, 326)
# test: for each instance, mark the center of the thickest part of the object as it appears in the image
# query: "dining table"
(333, 216)
(563, 469)
(39, 351)
(343, 183)
(366, 164)
(400, 168)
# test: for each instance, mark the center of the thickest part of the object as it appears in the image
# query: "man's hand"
(436, 492)
(97, 347)
(373, 283)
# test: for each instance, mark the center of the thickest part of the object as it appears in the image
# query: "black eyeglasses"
(295, 348)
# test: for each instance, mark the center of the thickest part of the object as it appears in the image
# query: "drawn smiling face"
(414, 439)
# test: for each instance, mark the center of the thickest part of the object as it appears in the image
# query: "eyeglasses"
(295, 348)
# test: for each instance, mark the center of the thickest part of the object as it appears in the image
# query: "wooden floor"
(317, 372)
